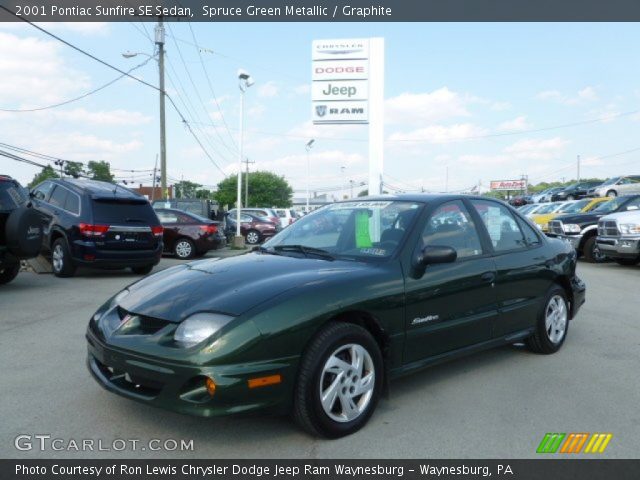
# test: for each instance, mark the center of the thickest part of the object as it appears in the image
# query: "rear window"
(123, 211)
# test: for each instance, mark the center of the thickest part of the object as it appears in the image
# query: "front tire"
(8, 271)
(612, 194)
(553, 323)
(591, 252)
(339, 382)
(61, 260)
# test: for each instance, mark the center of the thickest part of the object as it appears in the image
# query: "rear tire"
(553, 323)
(184, 249)
(61, 260)
(8, 271)
(253, 237)
(591, 251)
(339, 381)
(612, 194)
(143, 270)
(627, 262)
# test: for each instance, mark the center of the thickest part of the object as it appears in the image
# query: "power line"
(21, 159)
(67, 102)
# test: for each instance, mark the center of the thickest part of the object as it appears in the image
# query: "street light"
(244, 82)
(308, 147)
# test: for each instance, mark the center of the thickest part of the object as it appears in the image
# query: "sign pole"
(376, 114)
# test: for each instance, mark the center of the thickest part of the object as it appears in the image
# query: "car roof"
(417, 197)
(97, 188)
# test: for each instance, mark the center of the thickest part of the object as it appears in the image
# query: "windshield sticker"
(363, 238)
(379, 252)
(355, 205)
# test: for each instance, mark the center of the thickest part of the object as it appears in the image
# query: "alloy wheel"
(184, 249)
(57, 258)
(347, 383)
(556, 317)
(252, 238)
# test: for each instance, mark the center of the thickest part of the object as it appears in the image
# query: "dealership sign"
(508, 184)
(340, 81)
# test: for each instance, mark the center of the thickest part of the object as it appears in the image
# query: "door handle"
(488, 277)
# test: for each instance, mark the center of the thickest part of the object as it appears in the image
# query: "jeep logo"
(348, 91)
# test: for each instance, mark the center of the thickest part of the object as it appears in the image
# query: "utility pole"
(159, 31)
(246, 182)
(578, 168)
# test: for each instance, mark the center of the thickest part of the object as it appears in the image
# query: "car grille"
(608, 228)
(555, 227)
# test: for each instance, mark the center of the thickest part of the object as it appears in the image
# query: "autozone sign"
(508, 184)
(340, 81)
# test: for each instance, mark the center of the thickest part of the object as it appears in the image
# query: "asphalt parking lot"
(497, 404)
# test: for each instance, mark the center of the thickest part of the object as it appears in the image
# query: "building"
(152, 194)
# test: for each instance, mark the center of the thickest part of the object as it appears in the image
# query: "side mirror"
(432, 255)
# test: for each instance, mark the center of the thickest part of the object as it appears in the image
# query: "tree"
(46, 172)
(205, 194)
(266, 189)
(100, 170)
(73, 169)
(186, 189)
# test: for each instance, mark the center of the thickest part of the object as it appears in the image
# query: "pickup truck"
(619, 237)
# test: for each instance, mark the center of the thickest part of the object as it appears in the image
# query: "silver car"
(617, 186)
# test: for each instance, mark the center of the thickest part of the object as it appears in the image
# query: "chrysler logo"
(321, 110)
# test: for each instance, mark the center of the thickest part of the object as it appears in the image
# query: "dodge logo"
(321, 110)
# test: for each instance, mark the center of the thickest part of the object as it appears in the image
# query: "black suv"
(574, 191)
(97, 224)
(20, 228)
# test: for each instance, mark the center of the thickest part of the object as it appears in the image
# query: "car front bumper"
(619, 247)
(181, 387)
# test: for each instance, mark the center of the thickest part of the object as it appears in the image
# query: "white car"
(286, 215)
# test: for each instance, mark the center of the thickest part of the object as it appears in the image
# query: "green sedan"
(320, 318)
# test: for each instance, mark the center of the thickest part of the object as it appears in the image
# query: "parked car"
(581, 229)
(287, 216)
(520, 200)
(577, 206)
(613, 187)
(545, 195)
(268, 213)
(188, 235)
(205, 208)
(574, 191)
(619, 237)
(318, 325)
(20, 228)
(254, 229)
(96, 224)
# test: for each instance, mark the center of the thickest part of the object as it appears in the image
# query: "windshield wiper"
(306, 251)
(268, 251)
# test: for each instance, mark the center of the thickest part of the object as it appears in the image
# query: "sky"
(465, 103)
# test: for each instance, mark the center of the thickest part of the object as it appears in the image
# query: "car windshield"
(547, 208)
(574, 207)
(610, 181)
(609, 206)
(360, 230)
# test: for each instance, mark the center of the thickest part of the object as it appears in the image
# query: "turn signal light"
(211, 386)
(264, 381)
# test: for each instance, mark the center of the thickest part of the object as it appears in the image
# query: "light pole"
(343, 190)
(244, 82)
(308, 147)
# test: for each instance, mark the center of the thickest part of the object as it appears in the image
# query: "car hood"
(580, 219)
(628, 215)
(231, 286)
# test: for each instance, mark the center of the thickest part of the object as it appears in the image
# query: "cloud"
(585, 95)
(537, 149)
(105, 117)
(441, 104)
(518, 124)
(268, 90)
(439, 133)
(303, 89)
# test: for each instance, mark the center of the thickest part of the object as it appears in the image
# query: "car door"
(523, 277)
(629, 185)
(169, 221)
(452, 305)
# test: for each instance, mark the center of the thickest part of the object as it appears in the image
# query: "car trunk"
(130, 223)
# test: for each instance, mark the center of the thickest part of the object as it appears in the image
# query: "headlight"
(571, 228)
(199, 327)
(629, 228)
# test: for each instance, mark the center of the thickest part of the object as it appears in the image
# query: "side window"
(530, 235)
(451, 225)
(502, 227)
(58, 197)
(72, 204)
(183, 218)
(42, 191)
(245, 218)
(167, 217)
